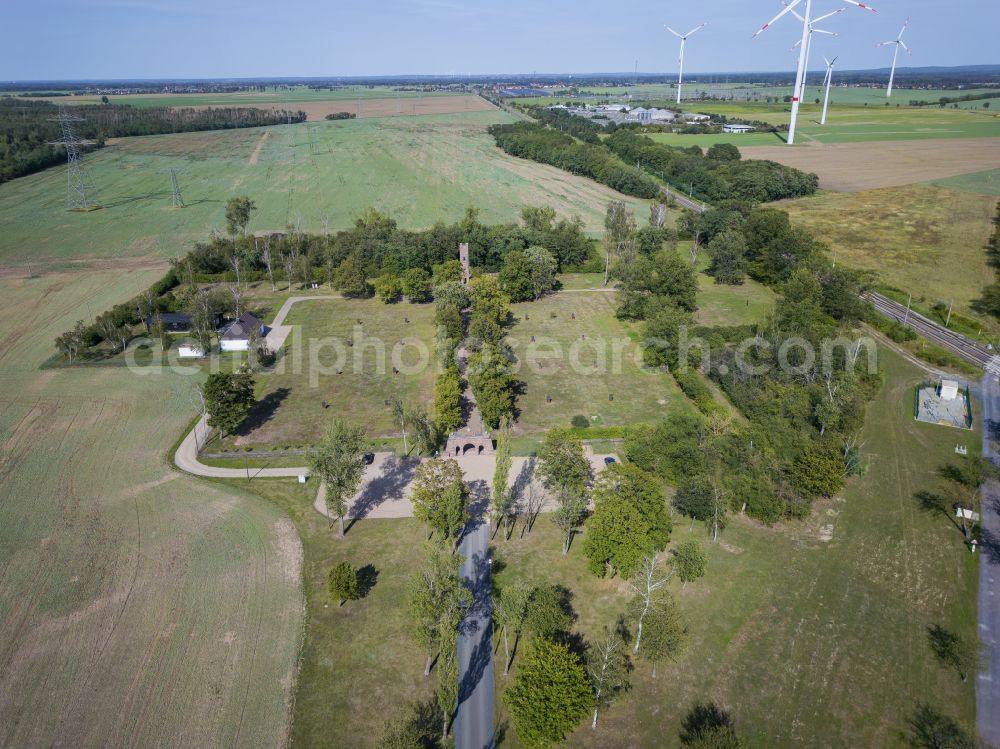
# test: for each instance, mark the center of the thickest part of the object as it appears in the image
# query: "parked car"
(609, 460)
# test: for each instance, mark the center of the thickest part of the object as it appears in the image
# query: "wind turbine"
(680, 59)
(828, 83)
(800, 73)
(898, 41)
(813, 30)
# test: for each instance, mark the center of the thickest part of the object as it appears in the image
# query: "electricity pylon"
(81, 193)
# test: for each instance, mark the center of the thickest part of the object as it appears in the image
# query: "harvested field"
(394, 107)
(138, 606)
(849, 167)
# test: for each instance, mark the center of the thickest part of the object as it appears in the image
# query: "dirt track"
(851, 167)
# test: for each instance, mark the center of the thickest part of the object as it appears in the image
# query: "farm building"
(695, 117)
(236, 336)
(172, 321)
(737, 129)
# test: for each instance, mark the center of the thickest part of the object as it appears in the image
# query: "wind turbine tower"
(898, 41)
(828, 82)
(680, 58)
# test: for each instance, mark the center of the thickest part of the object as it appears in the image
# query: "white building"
(738, 129)
(695, 117)
(190, 351)
(949, 390)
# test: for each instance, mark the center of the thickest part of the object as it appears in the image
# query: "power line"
(81, 192)
(173, 172)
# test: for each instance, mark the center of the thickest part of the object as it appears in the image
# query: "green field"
(798, 630)
(720, 305)
(925, 240)
(847, 125)
(419, 169)
(982, 183)
(138, 606)
(580, 373)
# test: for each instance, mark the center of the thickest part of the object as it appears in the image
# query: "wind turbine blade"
(799, 17)
(861, 5)
(828, 33)
(828, 15)
(787, 9)
(697, 28)
(886, 44)
(834, 60)
(673, 32)
(901, 44)
(826, 61)
(902, 30)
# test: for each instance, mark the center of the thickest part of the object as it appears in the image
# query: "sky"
(118, 39)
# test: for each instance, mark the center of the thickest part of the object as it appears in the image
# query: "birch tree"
(644, 586)
(608, 666)
(268, 261)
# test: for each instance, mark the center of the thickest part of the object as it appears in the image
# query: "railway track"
(956, 343)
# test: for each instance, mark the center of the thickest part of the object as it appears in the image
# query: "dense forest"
(27, 127)
(576, 145)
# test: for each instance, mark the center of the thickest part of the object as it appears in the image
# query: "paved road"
(474, 720)
(186, 458)
(988, 683)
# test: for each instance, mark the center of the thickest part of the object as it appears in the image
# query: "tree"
(412, 728)
(448, 400)
(344, 584)
(689, 561)
(350, 278)
(723, 152)
(645, 586)
(489, 375)
(501, 507)
(388, 288)
(961, 653)
(339, 461)
(931, 729)
(399, 413)
(238, 213)
(417, 285)
(707, 726)
(549, 613)
(543, 270)
(550, 694)
(564, 470)
(268, 261)
(729, 263)
(630, 521)
(113, 331)
(440, 498)
(425, 433)
(228, 399)
(510, 613)
(665, 630)
(515, 277)
(619, 235)
(704, 498)
(438, 603)
(70, 342)
(608, 667)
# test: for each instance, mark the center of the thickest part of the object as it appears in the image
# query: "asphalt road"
(988, 683)
(473, 727)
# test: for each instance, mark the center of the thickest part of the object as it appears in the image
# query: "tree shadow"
(367, 577)
(705, 719)
(396, 474)
(263, 411)
(930, 729)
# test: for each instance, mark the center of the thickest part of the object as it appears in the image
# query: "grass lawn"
(983, 183)
(359, 665)
(925, 240)
(814, 634)
(720, 305)
(418, 169)
(580, 373)
(290, 409)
